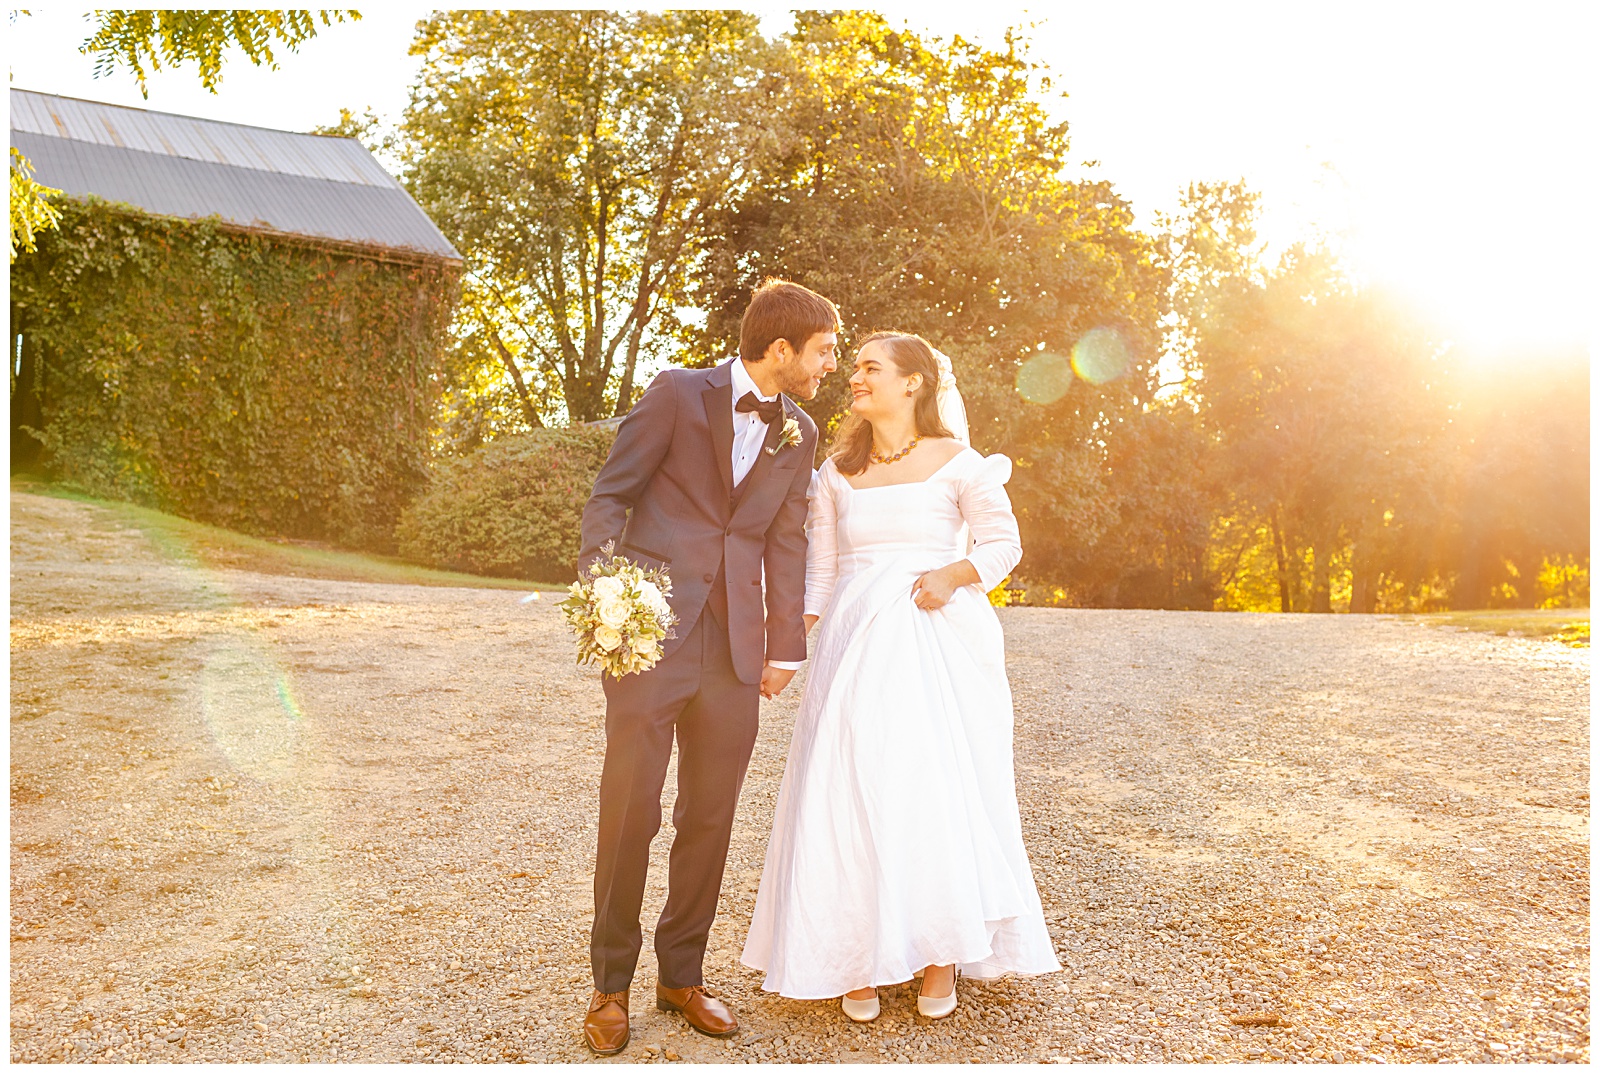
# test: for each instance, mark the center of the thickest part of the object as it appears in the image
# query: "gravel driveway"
(270, 818)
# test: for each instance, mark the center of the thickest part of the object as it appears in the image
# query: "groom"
(714, 466)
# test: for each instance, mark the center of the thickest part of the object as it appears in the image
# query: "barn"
(241, 325)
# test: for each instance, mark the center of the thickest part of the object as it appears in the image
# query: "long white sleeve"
(987, 510)
(822, 543)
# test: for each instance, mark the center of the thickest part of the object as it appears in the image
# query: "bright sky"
(1445, 147)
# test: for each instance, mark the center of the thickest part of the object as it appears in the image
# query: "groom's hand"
(773, 680)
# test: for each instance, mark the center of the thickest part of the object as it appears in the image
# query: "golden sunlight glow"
(1444, 156)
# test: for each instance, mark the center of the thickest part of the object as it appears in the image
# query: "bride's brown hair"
(852, 444)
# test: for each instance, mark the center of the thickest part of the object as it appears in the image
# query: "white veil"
(952, 410)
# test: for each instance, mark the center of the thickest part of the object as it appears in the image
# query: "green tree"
(576, 160)
(921, 185)
(1207, 245)
(1161, 475)
(1520, 494)
(145, 38)
(1163, 498)
(31, 211)
(1328, 407)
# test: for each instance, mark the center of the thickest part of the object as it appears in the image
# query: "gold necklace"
(897, 456)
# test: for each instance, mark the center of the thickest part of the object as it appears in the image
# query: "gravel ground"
(269, 818)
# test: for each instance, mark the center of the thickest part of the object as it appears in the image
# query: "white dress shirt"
(749, 431)
(749, 434)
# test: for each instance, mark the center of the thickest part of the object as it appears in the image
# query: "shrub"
(511, 508)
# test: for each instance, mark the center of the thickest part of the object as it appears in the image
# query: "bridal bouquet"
(620, 614)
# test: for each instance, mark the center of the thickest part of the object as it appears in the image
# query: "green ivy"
(258, 384)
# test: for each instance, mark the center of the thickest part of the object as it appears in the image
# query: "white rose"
(645, 646)
(653, 599)
(612, 611)
(609, 586)
(608, 638)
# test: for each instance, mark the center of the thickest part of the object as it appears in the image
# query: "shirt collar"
(743, 382)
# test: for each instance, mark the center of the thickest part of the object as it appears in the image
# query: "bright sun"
(1490, 298)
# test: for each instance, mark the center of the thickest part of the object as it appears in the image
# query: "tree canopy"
(145, 40)
(620, 182)
(1194, 425)
(575, 159)
(31, 211)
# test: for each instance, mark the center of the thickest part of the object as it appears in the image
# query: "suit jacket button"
(711, 578)
(728, 533)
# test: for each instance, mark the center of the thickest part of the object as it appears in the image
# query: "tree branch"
(529, 412)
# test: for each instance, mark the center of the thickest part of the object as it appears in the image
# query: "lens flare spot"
(1044, 377)
(250, 709)
(1100, 356)
(291, 707)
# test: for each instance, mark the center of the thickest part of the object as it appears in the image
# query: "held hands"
(933, 590)
(773, 680)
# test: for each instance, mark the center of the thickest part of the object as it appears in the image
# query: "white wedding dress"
(897, 842)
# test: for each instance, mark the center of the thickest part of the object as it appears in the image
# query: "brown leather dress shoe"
(605, 1027)
(700, 1008)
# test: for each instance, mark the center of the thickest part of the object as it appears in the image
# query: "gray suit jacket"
(666, 497)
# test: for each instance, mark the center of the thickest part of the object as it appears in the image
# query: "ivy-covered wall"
(259, 384)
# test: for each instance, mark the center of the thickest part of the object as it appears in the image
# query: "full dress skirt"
(897, 842)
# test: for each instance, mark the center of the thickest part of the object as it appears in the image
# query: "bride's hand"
(933, 590)
(773, 680)
(811, 621)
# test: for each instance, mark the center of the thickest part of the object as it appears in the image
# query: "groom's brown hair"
(783, 310)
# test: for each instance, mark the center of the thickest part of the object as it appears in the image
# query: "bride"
(896, 848)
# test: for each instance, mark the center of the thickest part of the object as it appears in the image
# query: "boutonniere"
(788, 437)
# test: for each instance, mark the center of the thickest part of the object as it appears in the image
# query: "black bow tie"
(770, 411)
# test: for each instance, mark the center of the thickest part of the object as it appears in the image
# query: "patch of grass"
(1574, 634)
(213, 546)
(1569, 626)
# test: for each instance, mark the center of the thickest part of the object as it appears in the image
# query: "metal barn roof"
(300, 184)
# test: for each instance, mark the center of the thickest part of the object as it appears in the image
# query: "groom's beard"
(798, 383)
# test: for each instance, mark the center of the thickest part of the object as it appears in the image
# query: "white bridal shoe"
(938, 1006)
(860, 1010)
